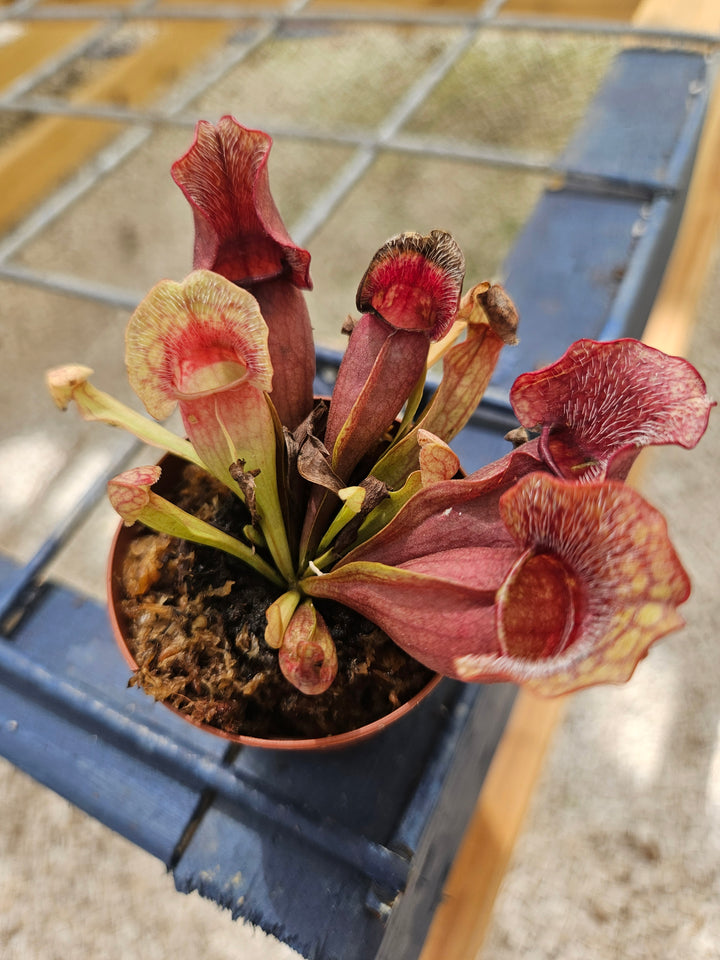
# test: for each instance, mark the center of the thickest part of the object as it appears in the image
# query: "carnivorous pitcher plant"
(543, 568)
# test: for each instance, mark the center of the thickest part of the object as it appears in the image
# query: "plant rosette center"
(191, 621)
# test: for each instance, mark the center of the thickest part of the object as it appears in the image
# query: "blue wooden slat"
(409, 921)
(477, 447)
(69, 638)
(590, 259)
(655, 232)
(424, 797)
(564, 273)
(150, 809)
(278, 882)
(310, 899)
(644, 121)
(372, 788)
(56, 682)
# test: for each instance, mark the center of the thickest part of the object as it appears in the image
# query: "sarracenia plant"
(543, 568)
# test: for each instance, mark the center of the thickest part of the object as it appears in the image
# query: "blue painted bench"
(343, 856)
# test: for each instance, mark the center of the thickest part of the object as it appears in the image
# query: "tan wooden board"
(25, 46)
(591, 9)
(674, 311)
(461, 921)
(621, 10)
(439, 6)
(45, 151)
(691, 15)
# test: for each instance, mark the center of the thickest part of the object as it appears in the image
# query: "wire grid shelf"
(409, 126)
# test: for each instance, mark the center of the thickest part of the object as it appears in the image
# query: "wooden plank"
(586, 9)
(462, 919)
(699, 15)
(426, 6)
(28, 45)
(286, 877)
(88, 3)
(674, 311)
(46, 151)
(589, 9)
(675, 308)
(68, 719)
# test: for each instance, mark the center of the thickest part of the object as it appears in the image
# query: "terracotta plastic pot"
(171, 469)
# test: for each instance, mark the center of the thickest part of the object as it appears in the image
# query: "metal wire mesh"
(475, 88)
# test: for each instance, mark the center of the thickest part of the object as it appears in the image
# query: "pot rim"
(330, 742)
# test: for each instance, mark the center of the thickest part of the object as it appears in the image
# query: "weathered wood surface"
(49, 148)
